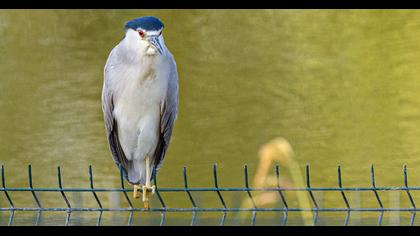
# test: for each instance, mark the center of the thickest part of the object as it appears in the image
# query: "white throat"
(137, 48)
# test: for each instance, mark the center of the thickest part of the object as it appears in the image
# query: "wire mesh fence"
(285, 209)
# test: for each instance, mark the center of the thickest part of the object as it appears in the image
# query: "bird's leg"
(148, 186)
(136, 191)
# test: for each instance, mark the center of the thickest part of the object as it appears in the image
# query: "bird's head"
(145, 35)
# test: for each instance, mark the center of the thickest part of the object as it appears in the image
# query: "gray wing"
(110, 123)
(169, 111)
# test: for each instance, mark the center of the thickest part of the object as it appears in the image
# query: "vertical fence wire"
(162, 203)
(340, 186)
(98, 222)
(308, 188)
(122, 189)
(9, 199)
(222, 201)
(378, 199)
(282, 197)
(247, 189)
(413, 205)
(194, 206)
(38, 203)
(60, 187)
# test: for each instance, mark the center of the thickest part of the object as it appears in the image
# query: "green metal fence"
(224, 210)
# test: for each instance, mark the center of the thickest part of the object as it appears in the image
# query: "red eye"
(141, 33)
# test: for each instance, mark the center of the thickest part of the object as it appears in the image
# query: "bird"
(140, 102)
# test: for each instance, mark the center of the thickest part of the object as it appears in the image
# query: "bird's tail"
(136, 172)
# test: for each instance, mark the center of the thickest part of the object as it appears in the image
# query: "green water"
(340, 85)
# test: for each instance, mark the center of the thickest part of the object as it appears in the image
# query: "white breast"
(137, 104)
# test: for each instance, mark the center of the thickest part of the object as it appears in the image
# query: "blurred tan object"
(278, 150)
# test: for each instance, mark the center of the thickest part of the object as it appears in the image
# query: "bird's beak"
(155, 42)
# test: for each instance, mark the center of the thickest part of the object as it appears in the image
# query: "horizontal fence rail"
(223, 209)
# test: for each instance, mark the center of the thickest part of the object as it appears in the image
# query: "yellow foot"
(136, 191)
(146, 194)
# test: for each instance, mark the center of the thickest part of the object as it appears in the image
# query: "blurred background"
(340, 85)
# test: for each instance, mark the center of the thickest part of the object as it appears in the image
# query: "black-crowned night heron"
(140, 101)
